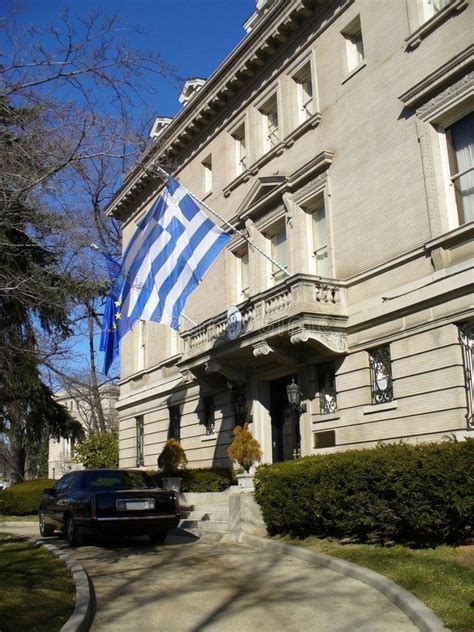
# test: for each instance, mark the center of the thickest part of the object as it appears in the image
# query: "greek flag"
(171, 249)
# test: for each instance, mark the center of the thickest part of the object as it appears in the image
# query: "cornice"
(262, 44)
(421, 91)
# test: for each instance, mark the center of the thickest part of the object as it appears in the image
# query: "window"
(305, 97)
(381, 375)
(140, 441)
(354, 44)
(279, 253)
(271, 130)
(209, 414)
(466, 338)
(174, 431)
(240, 148)
(207, 167)
(327, 388)
(460, 143)
(243, 288)
(431, 7)
(320, 240)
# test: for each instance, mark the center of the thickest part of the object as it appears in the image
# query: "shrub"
(419, 495)
(98, 450)
(173, 458)
(244, 449)
(24, 498)
(213, 479)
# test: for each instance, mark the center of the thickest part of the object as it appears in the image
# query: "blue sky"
(195, 35)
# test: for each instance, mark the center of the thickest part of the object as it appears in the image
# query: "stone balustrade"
(283, 305)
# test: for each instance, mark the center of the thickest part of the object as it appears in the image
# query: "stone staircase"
(206, 515)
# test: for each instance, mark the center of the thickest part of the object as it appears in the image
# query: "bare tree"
(65, 96)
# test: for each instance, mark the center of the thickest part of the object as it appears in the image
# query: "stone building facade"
(78, 402)
(338, 136)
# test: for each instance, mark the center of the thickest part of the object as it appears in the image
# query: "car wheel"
(73, 535)
(46, 530)
(158, 538)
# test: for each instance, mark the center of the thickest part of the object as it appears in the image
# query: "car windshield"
(116, 479)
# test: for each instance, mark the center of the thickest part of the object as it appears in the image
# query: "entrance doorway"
(285, 422)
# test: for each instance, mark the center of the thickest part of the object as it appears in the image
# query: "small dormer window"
(190, 89)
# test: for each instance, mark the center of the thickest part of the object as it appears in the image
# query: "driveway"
(188, 585)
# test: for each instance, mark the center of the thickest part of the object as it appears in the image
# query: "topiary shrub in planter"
(24, 498)
(420, 495)
(172, 461)
(244, 449)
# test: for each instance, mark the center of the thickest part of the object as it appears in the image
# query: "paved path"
(190, 586)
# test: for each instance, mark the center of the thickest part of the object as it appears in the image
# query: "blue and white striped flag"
(171, 249)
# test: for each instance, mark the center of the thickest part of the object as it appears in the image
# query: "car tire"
(73, 534)
(158, 538)
(46, 530)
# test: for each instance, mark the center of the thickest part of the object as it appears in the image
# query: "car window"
(62, 485)
(117, 479)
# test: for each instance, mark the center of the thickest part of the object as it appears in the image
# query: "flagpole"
(167, 175)
(96, 247)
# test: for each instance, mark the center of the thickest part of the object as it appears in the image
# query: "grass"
(442, 578)
(32, 518)
(36, 590)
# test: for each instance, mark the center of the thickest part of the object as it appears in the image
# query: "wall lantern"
(295, 396)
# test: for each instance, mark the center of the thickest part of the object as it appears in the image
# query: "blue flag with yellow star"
(110, 337)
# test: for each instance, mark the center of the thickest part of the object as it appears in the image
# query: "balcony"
(303, 310)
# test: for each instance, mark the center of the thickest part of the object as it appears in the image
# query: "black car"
(89, 503)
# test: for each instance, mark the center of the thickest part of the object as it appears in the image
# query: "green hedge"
(214, 479)
(419, 495)
(23, 499)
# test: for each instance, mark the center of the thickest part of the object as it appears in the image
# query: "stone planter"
(172, 483)
(245, 482)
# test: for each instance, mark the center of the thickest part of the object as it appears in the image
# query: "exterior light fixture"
(295, 396)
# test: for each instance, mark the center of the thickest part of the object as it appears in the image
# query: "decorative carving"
(188, 377)
(327, 293)
(212, 367)
(262, 349)
(445, 97)
(253, 232)
(333, 341)
(291, 207)
(316, 185)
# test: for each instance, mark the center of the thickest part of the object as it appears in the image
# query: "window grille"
(327, 388)
(140, 441)
(381, 375)
(174, 431)
(209, 414)
(466, 338)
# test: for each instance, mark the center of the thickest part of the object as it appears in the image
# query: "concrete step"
(205, 516)
(207, 507)
(212, 536)
(193, 498)
(222, 526)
